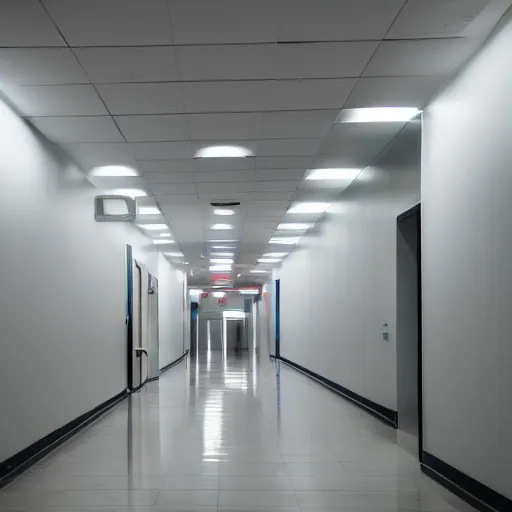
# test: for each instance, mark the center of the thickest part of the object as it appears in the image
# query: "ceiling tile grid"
(147, 84)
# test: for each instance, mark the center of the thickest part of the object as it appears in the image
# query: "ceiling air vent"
(224, 205)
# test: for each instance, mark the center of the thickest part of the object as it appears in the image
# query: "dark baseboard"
(174, 363)
(383, 413)
(470, 490)
(21, 461)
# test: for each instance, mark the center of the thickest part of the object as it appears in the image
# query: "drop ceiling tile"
(435, 18)
(307, 124)
(399, 91)
(309, 94)
(224, 188)
(226, 62)
(271, 196)
(142, 98)
(223, 21)
(153, 128)
(25, 23)
(112, 22)
(40, 66)
(172, 188)
(167, 166)
(224, 164)
(115, 182)
(324, 20)
(232, 96)
(279, 175)
(283, 162)
(129, 64)
(78, 129)
(288, 147)
(323, 60)
(225, 176)
(56, 100)
(162, 150)
(224, 126)
(93, 155)
(169, 177)
(275, 186)
(420, 58)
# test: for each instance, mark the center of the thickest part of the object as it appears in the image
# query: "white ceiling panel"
(40, 66)
(323, 60)
(224, 188)
(162, 150)
(172, 188)
(232, 96)
(224, 126)
(307, 123)
(279, 175)
(435, 18)
(166, 166)
(283, 162)
(155, 128)
(309, 94)
(78, 129)
(130, 64)
(169, 177)
(25, 23)
(285, 147)
(226, 62)
(147, 98)
(420, 58)
(335, 20)
(400, 91)
(223, 21)
(224, 164)
(111, 22)
(89, 156)
(109, 183)
(57, 100)
(267, 207)
(224, 176)
(275, 186)
(270, 196)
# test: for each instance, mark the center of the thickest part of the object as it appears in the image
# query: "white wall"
(170, 311)
(467, 254)
(339, 287)
(62, 290)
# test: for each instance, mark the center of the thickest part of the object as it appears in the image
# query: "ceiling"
(146, 83)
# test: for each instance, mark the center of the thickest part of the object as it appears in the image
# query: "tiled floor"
(235, 435)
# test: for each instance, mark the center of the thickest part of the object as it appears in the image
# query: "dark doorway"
(408, 323)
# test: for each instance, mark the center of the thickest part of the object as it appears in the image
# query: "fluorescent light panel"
(256, 271)
(222, 247)
(294, 226)
(268, 260)
(275, 255)
(377, 115)
(309, 207)
(223, 152)
(130, 192)
(153, 227)
(223, 241)
(221, 226)
(174, 254)
(114, 171)
(162, 242)
(226, 254)
(221, 260)
(223, 211)
(291, 240)
(220, 268)
(333, 174)
(165, 235)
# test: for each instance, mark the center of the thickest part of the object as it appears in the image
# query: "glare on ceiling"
(221, 226)
(268, 260)
(223, 241)
(333, 174)
(294, 226)
(221, 260)
(377, 115)
(153, 227)
(309, 208)
(174, 254)
(113, 170)
(275, 254)
(223, 211)
(165, 235)
(130, 192)
(157, 241)
(220, 268)
(255, 271)
(289, 240)
(222, 247)
(223, 152)
(149, 210)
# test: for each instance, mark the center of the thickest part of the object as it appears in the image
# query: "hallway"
(230, 436)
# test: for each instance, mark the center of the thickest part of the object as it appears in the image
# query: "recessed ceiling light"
(275, 254)
(268, 260)
(219, 268)
(291, 226)
(255, 271)
(149, 210)
(164, 235)
(130, 192)
(221, 226)
(221, 260)
(113, 170)
(223, 152)
(238, 275)
(309, 208)
(222, 247)
(162, 242)
(153, 227)
(332, 174)
(223, 241)
(227, 254)
(377, 115)
(174, 254)
(223, 211)
(290, 240)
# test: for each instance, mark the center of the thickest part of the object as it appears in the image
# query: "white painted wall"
(62, 290)
(339, 287)
(170, 311)
(467, 254)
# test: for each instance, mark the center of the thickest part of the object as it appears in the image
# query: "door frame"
(416, 211)
(129, 317)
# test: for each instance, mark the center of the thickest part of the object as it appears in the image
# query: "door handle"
(140, 351)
